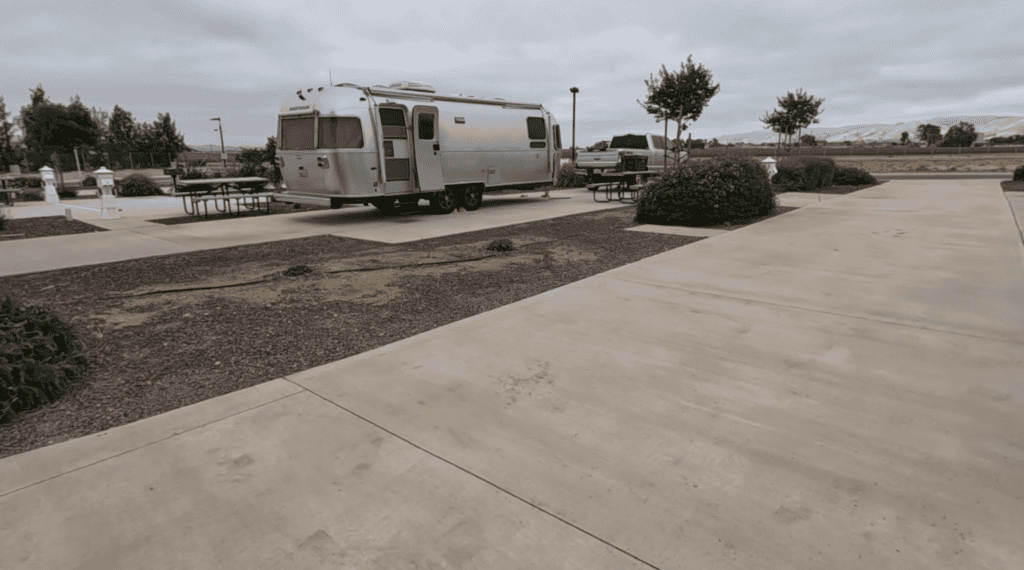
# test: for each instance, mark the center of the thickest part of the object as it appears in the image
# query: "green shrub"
(707, 193)
(846, 176)
(1018, 173)
(25, 182)
(804, 174)
(137, 185)
(88, 181)
(193, 171)
(567, 178)
(3, 217)
(40, 356)
(33, 196)
(65, 192)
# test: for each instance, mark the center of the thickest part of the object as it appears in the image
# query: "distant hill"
(986, 126)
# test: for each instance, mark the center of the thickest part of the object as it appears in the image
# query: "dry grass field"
(947, 163)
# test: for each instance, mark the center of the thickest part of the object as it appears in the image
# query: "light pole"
(574, 91)
(223, 153)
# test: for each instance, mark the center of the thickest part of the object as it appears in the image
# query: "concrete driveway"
(837, 387)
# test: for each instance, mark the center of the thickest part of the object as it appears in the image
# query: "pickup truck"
(650, 145)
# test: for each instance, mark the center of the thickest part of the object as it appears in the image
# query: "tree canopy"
(679, 96)
(962, 134)
(930, 134)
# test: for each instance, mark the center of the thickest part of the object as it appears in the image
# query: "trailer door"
(428, 148)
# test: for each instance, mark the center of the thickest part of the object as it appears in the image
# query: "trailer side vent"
(460, 120)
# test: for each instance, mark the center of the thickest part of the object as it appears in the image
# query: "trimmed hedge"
(40, 356)
(137, 185)
(567, 178)
(846, 176)
(707, 193)
(804, 174)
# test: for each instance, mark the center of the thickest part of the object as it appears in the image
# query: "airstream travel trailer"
(396, 145)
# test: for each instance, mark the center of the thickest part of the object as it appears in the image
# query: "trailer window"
(393, 122)
(296, 133)
(340, 132)
(426, 127)
(535, 128)
(629, 141)
(558, 136)
(659, 142)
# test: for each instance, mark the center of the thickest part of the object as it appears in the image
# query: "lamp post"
(223, 153)
(574, 91)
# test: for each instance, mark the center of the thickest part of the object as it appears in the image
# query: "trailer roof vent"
(412, 86)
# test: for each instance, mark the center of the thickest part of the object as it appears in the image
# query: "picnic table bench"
(244, 191)
(621, 186)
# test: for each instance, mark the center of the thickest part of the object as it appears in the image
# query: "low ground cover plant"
(707, 193)
(137, 185)
(804, 174)
(847, 176)
(40, 356)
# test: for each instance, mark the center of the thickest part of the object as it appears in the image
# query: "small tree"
(7, 154)
(960, 135)
(122, 135)
(680, 96)
(781, 123)
(51, 128)
(929, 134)
(905, 138)
(808, 140)
(802, 108)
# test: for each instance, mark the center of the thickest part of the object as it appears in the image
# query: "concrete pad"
(933, 254)
(50, 462)
(296, 483)
(801, 199)
(1016, 202)
(88, 210)
(60, 252)
(664, 422)
(677, 230)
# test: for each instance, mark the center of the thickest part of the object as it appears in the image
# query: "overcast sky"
(872, 62)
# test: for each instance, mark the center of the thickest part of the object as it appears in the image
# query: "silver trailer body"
(351, 144)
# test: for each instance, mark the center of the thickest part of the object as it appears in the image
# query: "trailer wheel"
(472, 197)
(443, 201)
(386, 205)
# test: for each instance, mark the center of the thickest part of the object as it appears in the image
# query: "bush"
(40, 356)
(3, 217)
(1018, 173)
(707, 193)
(193, 171)
(137, 185)
(33, 196)
(88, 181)
(65, 192)
(804, 174)
(567, 178)
(24, 182)
(846, 176)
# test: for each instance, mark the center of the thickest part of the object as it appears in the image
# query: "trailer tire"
(472, 197)
(443, 201)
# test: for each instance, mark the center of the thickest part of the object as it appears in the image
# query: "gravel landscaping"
(165, 332)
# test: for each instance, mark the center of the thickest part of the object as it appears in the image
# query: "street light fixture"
(223, 153)
(574, 91)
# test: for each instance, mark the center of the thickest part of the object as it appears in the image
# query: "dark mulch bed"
(1012, 185)
(44, 227)
(275, 208)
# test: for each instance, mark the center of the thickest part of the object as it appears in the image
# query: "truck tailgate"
(605, 159)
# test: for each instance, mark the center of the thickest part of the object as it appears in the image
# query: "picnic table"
(621, 186)
(245, 192)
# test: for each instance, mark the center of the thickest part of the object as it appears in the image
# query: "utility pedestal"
(769, 166)
(108, 202)
(50, 190)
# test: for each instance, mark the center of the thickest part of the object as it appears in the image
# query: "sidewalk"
(837, 387)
